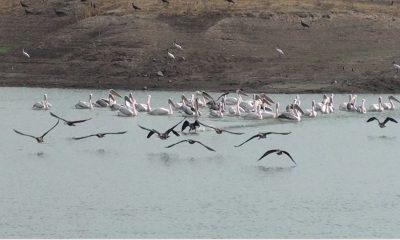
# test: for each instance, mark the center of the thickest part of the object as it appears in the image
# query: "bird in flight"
(164, 135)
(41, 138)
(262, 135)
(191, 141)
(192, 126)
(278, 152)
(99, 135)
(220, 130)
(69, 123)
(382, 124)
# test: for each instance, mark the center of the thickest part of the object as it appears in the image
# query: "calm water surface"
(346, 183)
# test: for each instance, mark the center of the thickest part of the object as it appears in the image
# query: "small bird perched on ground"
(278, 152)
(280, 51)
(135, 7)
(305, 25)
(382, 124)
(171, 55)
(176, 45)
(41, 138)
(191, 141)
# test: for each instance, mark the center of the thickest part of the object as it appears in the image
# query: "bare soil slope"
(350, 45)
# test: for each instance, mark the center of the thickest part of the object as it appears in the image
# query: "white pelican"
(129, 110)
(311, 112)
(178, 46)
(42, 105)
(25, 53)
(159, 111)
(378, 107)
(390, 104)
(256, 115)
(85, 105)
(280, 51)
(217, 113)
(271, 114)
(362, 108)
(142, 107)
(293, 114)
(171, 55)
(396, 66)
(350, 105)
(235, 110)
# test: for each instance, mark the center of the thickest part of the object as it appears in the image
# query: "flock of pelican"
(233, 104)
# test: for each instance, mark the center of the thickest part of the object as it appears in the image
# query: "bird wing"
(222, 95)
(172, 128)
(297, 107)
(372, 119)
(389, 119)
(44, 134)
(151, 130)
(123, 132)
(268, 98)
(267, 153)
(394, 99)
(257, 135)
(185, 125)
(289, 156)
(206, 95)
(80, 121)
(204, 146)
(175, 133)
(176, 143)
(113, 92)
(283, 133)
(52, 114)
(236, 133)
(79, 138)
(24, 134)
(205, 125)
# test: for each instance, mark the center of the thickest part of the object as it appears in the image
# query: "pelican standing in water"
(85, 105)
(311, 112)
(362, 109)
(390, 104)
(129, 109)
(42, 105)
(159, 111)
(377, 107)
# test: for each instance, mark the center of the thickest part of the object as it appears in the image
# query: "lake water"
(346, 183)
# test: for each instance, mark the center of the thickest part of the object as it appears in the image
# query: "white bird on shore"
(280, 51)
(85, 105)
(178, 46)
(396, 66)
(171, 55)
(25, 53)
(311, 112)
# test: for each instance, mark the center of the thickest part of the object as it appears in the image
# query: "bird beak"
(394, 99)
(113, 92)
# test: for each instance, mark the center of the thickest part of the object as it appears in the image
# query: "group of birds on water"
(258, 107)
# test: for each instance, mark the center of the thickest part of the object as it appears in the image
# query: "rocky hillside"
(349, 46)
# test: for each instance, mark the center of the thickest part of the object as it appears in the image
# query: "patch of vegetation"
(4, 50)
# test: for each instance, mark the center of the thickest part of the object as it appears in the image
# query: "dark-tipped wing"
(150, 130)
(52, 114)
(257, 135)
(123, 132)
(80, 121)
(55, 125)
(79, 138)
(222, 95)
(281, 133)
(289, 156)
(267, 153)
(205, 125)
(394, 99)
(372, 119)
(176, 143)
(208, 96)
(236, 133)
(185, 125)
(24, 134)
(205, 146)
(298, 108)
(172, 128)
(389, 119)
